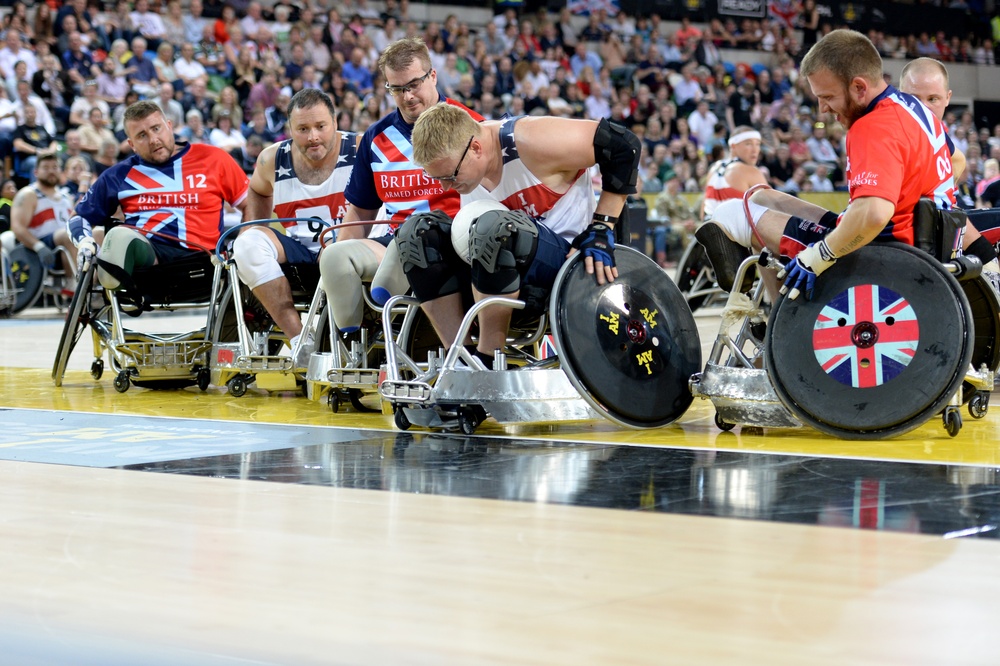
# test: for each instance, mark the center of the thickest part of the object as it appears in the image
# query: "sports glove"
(800, 275)
(86, 250)
(598, 243)
(46, 254)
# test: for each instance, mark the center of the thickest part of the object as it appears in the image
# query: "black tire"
(979, 404)
(467, 421)
(333, 399)
(237, 386)
(122, 381)
(399, 418)
(204, 378)
(77, 319)
(355, 395)
(724, 426)
(882, 347)
(695, 274)
(97, 369)
(952, 421)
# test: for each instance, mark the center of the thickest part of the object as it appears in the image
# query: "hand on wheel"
(86, 250)
(597, 242)
(800, 275)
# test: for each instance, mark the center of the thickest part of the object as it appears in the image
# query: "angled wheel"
(27, 276)
(399, 418)
(77, 319)
(979, 404)
(629, 346)
(882, 347)
(355, 395)
(695, 277)
(468, 420)
(724, 426)
(952, 421)
(333, 399)
(97, 369)
(204, 378)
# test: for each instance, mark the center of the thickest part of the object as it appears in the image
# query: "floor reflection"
(950, 500)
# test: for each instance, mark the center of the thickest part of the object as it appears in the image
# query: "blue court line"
(113, 440)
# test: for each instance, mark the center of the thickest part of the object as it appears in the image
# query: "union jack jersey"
(566, 214)
(325, 201)
(182, 198)
(51, 213)
(884, 323)
(899, 151)
(385, 173)
(717, 188)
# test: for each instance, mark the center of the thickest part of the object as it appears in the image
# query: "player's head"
(47, 171)
(927, 80)
(446, 144)
(745, 144)
(312, 123)
(409, 76)
(844, 70)
(150, 134)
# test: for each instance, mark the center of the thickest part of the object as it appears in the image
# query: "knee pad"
(461, 227)
(502, 245)
(343, 267)
(124, 249)
(389, 280)
(730, 216)
(256, 258)
(8, 241)
(428, 258)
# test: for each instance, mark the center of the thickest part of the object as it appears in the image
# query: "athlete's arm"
(21, 211)
(958, 165)
(864, 219)
(746, 176)
(355, 214)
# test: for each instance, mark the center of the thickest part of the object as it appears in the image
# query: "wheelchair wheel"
(695, 276)
(882, 347)
(629, 346)
(255, 316)
(985, 307)
(27, 276)
(77, 319)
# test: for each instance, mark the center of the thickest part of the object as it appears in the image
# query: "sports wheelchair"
(147, 360)
(893, 335)
(623, 351)
(246, 343)
(24, 279)
(696, 279)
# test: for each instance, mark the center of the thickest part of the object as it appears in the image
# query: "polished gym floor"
(189, 527)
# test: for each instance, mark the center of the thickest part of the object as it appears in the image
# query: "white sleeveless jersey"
(51, 213)
(566, 214)
(717, 188)
(293, 198)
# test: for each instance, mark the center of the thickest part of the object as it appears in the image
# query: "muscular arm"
(21, 210)
(355, 214)
(958, 165)
(864, 219)
(260, 197)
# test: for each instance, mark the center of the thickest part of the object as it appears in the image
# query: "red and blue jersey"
(182, 198)
(384, 173)
(899, 151)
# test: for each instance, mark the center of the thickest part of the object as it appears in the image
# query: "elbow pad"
(78, 229)
(616, 151)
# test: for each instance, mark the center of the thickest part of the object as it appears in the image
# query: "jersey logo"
(145, 179)
(865, 336)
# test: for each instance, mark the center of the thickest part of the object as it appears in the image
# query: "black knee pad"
(430, 263)
(503, 244)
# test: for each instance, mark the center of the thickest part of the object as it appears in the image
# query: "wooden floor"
(118, 566)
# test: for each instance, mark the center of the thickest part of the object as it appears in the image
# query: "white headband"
(743, 136)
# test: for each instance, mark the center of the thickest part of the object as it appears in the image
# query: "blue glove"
(800, 274)
(598, 243)
(46, 254)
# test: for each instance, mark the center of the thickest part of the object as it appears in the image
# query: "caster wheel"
(468, 420)
(333, 399)
(204, 378)
(399, 418)
(952, 421)
(979, 404)
(121, 382)
(723, 425)
(237, 386)
(355, 397)
(97, 369)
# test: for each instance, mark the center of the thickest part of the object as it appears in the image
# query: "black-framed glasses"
(453, 177)
(409, 87)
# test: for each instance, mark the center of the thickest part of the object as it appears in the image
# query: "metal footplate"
(742, 396)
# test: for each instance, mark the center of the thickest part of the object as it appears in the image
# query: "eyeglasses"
(453, 177)
(409, 87)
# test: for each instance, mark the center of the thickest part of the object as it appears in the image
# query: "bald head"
(927, 80)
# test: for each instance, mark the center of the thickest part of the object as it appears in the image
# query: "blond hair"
(442, 131)
(847, 54)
